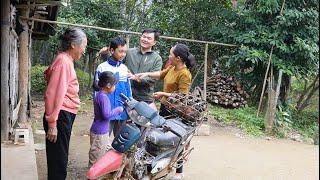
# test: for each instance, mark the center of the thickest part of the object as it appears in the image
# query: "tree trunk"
(305, 96)
(90, 66)
(285, 88)
(306, 102)
(87, 59)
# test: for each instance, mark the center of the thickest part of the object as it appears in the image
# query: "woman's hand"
(158, 95)
(139, 76)
(133, 77)
(52, 134)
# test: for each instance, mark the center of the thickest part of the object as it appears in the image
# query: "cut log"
(225, 91)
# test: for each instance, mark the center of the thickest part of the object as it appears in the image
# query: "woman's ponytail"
(183, 52)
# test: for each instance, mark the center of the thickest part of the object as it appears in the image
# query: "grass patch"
(245, 118)
(305, 122)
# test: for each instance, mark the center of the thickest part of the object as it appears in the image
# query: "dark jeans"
(57, 153)
(164, 112)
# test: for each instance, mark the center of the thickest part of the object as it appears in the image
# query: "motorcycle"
(149, 146)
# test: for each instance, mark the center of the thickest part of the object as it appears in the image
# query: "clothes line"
(127, 32)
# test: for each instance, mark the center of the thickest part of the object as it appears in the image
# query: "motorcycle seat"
(163, 139)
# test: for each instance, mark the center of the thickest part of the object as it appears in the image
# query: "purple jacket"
(103, 113)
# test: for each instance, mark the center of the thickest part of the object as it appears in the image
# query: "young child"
(118, 49)
(99, 137)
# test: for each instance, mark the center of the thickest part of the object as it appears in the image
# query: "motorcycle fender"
(109, 162)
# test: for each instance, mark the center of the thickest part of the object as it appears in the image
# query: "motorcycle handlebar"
(124, 97)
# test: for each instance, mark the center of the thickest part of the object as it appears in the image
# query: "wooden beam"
(5, 44)
(58, 3)
(23, 69)
(41, 12)
(42, 3)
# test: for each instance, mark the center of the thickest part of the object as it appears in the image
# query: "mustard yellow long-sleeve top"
(175, 80)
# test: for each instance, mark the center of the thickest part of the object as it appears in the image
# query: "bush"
(38, 84)
(306, 122)
(83, 79)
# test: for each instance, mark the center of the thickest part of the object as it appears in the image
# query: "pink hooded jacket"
(62, 88)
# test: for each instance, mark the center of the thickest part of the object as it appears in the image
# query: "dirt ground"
(226, 154)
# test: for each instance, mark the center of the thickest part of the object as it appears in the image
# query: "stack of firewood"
(225, 91)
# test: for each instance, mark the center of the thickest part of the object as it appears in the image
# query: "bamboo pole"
(126, 32)
(205, 72)
(264, 81)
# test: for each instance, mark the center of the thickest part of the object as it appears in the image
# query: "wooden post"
(5, 44)
(23, 68)
(205, 72)
(270, 114)
(29, 103)
(278, 87)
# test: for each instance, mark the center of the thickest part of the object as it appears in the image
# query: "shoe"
(177, 176)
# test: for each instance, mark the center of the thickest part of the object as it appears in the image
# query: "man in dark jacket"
(144, 59)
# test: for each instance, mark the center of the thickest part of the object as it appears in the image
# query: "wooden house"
(17, 34)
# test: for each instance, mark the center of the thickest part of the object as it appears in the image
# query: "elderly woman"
(62, 101)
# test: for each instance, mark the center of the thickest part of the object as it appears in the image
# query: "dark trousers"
(164, 112)
(57, 153)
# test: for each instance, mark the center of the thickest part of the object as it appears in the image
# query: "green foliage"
(38, 83)
(306, 122)
(257, 25)
(83, 79)
(283, 122)
(244, 117)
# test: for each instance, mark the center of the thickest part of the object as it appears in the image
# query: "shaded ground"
(226, 154)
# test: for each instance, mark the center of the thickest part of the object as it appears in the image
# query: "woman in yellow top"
(177, 78)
